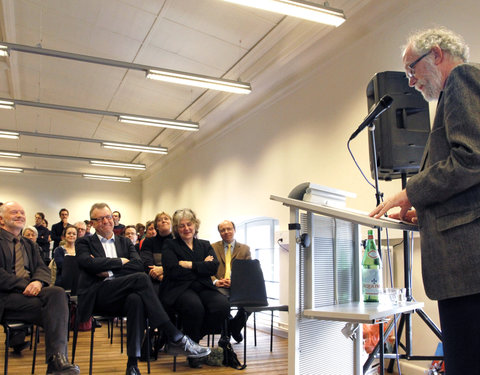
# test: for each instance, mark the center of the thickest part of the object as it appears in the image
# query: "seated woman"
(150, 232)
(32, 234)
(188, 264)
(69, 235)
(151, 253)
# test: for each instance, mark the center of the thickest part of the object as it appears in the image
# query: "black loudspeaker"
(401, 132)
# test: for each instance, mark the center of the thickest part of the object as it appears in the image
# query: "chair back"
(70, 274)
(247, 287)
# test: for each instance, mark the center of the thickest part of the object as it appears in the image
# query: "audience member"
(32, 234)
(25, 295)
(43, 238)
(131, 233)
(151, 253)
(112, 282)
(118, 229)
(69, 236)
(140, 231)
(88, 224)
(57, 229)
(189, 264)
(226, 251)
(81, 228)
(149, 233)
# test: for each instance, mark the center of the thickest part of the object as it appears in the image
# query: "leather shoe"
(58, 365)
(17, 349)
(133, 370)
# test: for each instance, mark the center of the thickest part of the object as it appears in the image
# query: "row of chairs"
(247, 291)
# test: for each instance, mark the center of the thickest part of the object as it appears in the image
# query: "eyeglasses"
(410, 71)
(108, 217)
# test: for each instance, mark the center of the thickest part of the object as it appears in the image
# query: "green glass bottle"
(371, 271)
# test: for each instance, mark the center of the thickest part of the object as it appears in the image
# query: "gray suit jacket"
(240, 251)
(446, 191)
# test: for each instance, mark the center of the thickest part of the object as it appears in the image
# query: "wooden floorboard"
(108, 360)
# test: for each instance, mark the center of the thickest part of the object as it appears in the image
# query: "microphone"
(384, 103)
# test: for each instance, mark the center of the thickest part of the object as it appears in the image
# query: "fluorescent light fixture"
(161, 123)
(298, 8)
(114, 164)
(137, 148)
(7, 104)
(11, 170)
(9, 135)
(200, 81)
(106, 178)
(4, 51)
(13, 155)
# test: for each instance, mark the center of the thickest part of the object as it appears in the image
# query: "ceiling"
(208, 37)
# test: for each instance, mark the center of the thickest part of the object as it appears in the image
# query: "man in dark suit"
(24, 291)
(112, 282)
(226, 251)
(57, 229)
(446, 191)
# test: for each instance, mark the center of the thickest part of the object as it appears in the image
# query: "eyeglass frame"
(411, 73)
(100, 219)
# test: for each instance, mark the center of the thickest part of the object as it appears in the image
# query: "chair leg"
(255, 329)
(92, 336)
(121, 335)
(245, 343)
(148, 345)
(75, 337)
(37, 338)
(271, 333)
(7, 344)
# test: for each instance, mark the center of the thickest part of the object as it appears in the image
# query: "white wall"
(50, 193)
(302, 136)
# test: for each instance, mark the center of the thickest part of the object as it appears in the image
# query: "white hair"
(448, 41)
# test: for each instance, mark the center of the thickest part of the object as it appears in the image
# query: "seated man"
(112, 282)
(226, 251)
(24, 291)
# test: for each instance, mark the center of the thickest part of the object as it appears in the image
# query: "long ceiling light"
(11, 170)
(162, 123)
(9, 135)
(298, 8)
(106, 144)
(122, 117)
(114, 164)
(174, 76)
(7, 104)
(199, 81)
(106, 178)
(137, 148)
(12, 155)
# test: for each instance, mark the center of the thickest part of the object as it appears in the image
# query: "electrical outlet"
(281, 236)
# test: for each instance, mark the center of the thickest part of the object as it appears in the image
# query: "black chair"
(272, 309)
(247, 290)
(12, 326)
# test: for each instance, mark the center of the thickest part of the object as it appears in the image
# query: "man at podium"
(446, 191)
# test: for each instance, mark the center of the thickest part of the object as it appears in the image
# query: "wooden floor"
(108, 360)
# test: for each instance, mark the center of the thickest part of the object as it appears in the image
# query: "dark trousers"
(131, 296)
(241, 317)
(460, 322)
(202, 311)
(49, 310)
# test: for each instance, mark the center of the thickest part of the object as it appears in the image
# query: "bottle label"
(373, 253)
(371, 284)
